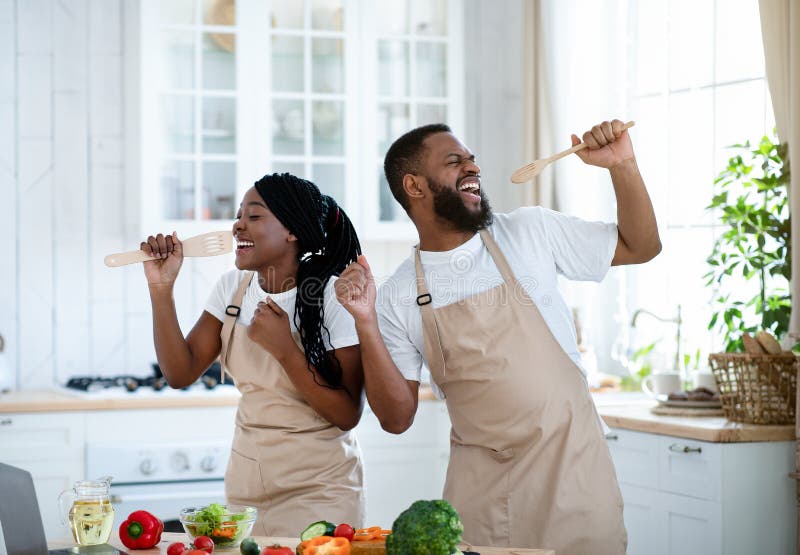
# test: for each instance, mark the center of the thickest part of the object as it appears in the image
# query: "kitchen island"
(170, 537)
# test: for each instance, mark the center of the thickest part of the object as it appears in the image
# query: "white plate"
(691, 404)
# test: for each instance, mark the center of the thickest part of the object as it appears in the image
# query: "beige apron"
(286, 460)
(529, 466)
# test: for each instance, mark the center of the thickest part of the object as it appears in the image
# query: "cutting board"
(169, 537)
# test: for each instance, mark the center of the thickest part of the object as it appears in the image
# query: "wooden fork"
(205, 244)
(529, 171)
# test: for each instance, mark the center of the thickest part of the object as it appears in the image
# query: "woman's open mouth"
(243, 246)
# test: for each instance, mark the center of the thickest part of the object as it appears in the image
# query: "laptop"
(21, 529)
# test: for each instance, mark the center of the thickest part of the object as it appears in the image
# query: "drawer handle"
(612, 437)
(675, 448)
(6, 422)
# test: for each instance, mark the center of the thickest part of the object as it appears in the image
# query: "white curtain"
(780, 29)
(537, 131)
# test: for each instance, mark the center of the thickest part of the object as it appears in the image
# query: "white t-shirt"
(538, 243)
(339, 322)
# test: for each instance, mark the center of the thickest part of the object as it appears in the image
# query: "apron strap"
(429, 326)
(499, 258)
(229, 325)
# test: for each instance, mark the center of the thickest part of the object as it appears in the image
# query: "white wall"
(67, 194)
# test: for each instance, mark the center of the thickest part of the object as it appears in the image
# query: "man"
(477, 302)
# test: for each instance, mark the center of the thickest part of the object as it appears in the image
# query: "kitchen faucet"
(676, 320)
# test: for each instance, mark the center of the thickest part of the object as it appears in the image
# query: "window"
(234, 89)
(705, 91)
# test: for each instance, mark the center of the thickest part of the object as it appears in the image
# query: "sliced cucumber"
(319, 528)
(330, 528)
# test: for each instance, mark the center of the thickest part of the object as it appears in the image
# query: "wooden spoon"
(529, 171)
(205, 244)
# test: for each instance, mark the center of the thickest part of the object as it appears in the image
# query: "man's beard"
(448, 205)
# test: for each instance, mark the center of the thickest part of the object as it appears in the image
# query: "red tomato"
(176, 548)
(205, 543)
(344, 531)
(277, 550)
(195, 552)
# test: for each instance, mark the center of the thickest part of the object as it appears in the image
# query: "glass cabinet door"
(196, 96)
(412, 42)
(308, 93)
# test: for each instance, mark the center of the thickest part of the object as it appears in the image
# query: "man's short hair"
(405, 156)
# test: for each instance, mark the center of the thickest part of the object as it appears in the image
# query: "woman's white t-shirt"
(538, 243)
(337, 320)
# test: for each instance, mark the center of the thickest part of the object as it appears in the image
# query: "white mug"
(704, 379)
(662, 383)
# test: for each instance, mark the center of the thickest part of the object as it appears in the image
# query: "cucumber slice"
(330, 528)
(319, 528)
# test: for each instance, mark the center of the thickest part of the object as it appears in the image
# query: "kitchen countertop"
(626, 411)
(170, 537)
(57, 400)
(636, 416)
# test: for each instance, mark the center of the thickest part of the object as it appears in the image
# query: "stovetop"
(138, 385)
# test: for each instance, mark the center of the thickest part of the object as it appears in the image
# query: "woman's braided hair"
(327, 243)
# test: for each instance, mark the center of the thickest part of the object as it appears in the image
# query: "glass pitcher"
(90, 513)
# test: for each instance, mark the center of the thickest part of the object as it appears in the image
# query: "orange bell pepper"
(325, 545)
(367, 534)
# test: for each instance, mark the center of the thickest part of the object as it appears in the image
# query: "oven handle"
(117, 498)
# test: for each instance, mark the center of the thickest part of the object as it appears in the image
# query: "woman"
(293, 456)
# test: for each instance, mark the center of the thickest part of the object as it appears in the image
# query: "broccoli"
(426, 528)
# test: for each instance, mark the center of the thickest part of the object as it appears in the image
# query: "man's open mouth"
(470, 188)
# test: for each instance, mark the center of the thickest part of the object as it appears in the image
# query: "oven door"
(165, 499)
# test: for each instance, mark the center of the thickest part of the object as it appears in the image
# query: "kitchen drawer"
(431, 427)
(33, 437)
(635, 457)
(176, 424)
(689, 467)
(690, 526)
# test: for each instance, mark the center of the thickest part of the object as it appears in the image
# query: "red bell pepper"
(141, 530)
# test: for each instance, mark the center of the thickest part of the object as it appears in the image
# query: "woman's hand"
(169, 251)
(356, 290)
(270, 328)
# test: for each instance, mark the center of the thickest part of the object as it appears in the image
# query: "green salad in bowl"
(226, 525)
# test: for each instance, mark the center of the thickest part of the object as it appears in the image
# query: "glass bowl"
(226, 525)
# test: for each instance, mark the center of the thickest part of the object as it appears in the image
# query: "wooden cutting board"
(379, 548)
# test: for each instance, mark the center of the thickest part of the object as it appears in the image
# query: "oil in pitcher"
(91, 516)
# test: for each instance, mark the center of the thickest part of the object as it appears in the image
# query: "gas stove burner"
(210, 379)
(129, 383)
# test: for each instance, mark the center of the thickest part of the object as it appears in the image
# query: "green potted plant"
(751, 199)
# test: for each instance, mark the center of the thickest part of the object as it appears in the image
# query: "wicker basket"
(757, 389)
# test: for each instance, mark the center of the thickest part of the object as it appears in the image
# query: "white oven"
(161, 477)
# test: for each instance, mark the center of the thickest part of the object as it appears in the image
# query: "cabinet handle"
(6, 422)
(675, 448)
(794, 475)
(612, 437)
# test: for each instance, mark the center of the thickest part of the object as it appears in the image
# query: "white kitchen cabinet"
(318, 89)
(685, 496)
(400, 469)
(50, 447)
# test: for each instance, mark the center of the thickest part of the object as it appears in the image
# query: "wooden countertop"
(57, 400)
(715, 429)
(630, 415)
(170, 537)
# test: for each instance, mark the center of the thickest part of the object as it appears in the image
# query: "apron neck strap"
(499, 258)
(232, 313)
(429, 325)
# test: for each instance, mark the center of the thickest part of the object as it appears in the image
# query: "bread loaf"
(751, 345)
(768, 343)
